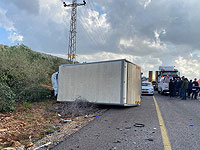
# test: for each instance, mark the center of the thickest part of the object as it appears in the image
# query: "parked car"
(147, 88)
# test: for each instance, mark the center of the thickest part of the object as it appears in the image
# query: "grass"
(26, 105)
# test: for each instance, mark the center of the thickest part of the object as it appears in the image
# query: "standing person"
(181, 92)
(171, 88)
(179, 83)
(184, 88)
(175, 86)
(195, 86)
(189, 88)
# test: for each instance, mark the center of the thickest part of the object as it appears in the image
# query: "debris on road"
(139, 125)
(119, 129)
(118, 141)
(65, 121)
(127, 128)
(42, 146)
(150, 139)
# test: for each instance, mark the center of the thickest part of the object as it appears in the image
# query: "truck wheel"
(158, 91)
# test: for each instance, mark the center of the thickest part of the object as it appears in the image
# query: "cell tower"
(72, 32)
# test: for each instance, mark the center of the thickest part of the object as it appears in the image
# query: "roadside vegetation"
(29, 116)
(25, 75)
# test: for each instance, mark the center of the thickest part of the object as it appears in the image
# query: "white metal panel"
(134, 84)
(95, 82)
(138, 83)
(125, 83)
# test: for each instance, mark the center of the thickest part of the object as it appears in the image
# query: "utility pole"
(72, 32)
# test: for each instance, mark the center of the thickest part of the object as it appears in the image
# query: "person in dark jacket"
(195, 86)
(189, 88)
(179, 83)
(175, 86)
(171, 88)
(184, 88)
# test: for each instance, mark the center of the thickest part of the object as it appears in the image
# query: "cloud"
(5, 22)
(30, 6)
(8, 25)
(189, 66)
(145, 3)
(14, 37)
(95, 24)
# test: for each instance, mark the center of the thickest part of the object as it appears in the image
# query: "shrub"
(34, 93)
(26, 105)
(21, 73)
(7, 98)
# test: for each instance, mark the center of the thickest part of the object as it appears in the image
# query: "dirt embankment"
(33, 125)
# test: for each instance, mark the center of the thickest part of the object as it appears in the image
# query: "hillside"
(29, 117)
(22, 74)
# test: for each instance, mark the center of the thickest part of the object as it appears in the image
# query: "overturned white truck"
(116, 82)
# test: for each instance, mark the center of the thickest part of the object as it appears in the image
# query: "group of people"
(183, 88)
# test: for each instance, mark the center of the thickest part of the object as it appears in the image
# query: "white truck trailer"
(116, 82)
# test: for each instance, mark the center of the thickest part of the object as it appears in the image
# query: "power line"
(92, 29)
(91, 4)
(89, 35)
(97, 21)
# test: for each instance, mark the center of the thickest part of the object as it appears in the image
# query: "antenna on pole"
(72, 32)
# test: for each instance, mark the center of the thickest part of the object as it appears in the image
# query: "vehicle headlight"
(150, 89)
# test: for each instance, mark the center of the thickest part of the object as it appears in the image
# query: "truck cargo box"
(116, 82)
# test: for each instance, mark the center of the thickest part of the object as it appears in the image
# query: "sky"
(149, 33)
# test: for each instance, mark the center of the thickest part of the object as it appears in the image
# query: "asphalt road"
(115, 128)
(182, 120)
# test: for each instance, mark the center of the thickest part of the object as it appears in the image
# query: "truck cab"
(163, 84)
(166, 73)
